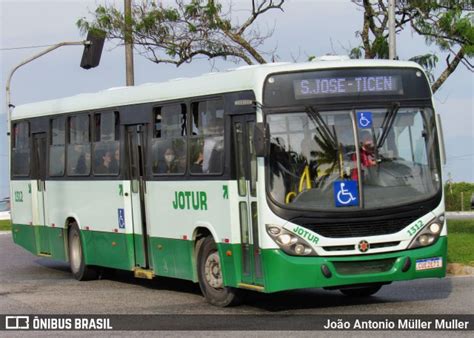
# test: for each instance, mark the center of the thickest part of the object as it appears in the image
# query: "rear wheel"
(365, 291)
(210, 276)
(79, 269)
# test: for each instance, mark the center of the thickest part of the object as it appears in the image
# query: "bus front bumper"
(284, 272)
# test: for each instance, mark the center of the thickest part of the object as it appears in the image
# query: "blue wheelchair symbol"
(121, 218)
(346, 193)
(364, 119)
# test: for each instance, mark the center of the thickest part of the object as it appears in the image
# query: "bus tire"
(365, 291)
(79, 269)
(210, 276)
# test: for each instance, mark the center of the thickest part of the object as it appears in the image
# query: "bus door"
(136, 152)
(245, 162)
(38, 188)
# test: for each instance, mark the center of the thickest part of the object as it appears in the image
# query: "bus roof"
(242, 78)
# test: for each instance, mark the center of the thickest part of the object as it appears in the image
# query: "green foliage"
(444, 23)
(448, 24)
(356, 53)
(177, 33)
(380, 47)
(452, 195)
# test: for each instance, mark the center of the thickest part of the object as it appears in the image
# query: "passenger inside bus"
(213, 147)
(83, 160)
(169, 164)
(105, 164)
(196, 166)
(367, 153)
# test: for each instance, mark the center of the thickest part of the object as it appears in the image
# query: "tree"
(446, 23)
(177, 34)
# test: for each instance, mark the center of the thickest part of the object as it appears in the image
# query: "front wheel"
(79, 269)
(210, 276)
(365, 291)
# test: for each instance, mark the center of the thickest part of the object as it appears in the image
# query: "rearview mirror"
(260, 139)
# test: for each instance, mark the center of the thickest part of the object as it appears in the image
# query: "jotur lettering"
(190, 200)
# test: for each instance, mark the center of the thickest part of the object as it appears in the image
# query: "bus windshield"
(395, 161)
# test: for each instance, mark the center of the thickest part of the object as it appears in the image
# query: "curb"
(460, 213)
(457, 269)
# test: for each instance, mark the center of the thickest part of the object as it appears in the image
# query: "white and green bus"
(283, 176)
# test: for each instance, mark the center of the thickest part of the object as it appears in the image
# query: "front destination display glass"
(363, 85)
(345, 86)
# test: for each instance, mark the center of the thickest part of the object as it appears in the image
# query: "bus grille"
(352, 247)
(361, 229)
(364, 267)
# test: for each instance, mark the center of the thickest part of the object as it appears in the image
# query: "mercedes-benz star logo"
(363, 246)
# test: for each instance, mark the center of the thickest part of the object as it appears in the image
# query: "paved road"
(30, 284)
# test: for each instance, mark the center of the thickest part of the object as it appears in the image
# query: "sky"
(305, 28)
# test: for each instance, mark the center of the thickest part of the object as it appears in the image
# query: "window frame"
(96, 131)
(14, 148)
(190, 136)
(68, 143)
(157, 109)
(51, 144)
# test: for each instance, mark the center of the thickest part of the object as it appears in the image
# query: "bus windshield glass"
(316, 165)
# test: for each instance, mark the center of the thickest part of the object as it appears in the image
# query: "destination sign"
(341, 86)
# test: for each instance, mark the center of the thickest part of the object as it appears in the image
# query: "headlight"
(435, 228)
(273, 230)
(429, 234)
(426, 239)
(285, 239)
(289, 242)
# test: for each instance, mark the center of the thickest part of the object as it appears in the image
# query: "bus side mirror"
(441, 139)
(260, 138)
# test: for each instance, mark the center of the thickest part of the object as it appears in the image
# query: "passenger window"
(57, 147)
(79, 147)
(106, 145)
(169, 140)
(21, 149)
(207, 137)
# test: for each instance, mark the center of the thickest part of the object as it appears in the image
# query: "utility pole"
(392, 50)
(128, 44)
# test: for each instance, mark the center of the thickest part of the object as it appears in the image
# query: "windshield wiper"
(318, 120)
(387, 124)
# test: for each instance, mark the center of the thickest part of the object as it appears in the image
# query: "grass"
(461, 241)
(5, 225)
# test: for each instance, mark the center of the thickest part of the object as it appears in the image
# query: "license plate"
(429, 263)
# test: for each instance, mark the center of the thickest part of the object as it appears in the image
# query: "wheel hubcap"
(75, 253)
(212, 271)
